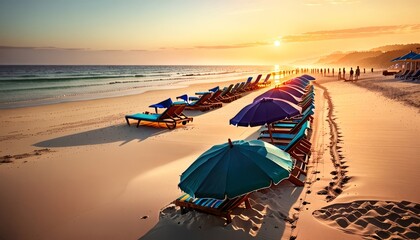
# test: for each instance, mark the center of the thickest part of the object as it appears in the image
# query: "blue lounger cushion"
(144, 116)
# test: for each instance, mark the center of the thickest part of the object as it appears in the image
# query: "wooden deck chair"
(221, 208)
(254, 85)
(201, 104)
(266, 81)
(170, 117)
(247, 83)
(224, 96)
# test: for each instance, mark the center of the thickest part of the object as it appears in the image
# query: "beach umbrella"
(417, 57)
(309, 77)
(295, 91)
(301, 80)
(297, 84)
(304, 80)
(405, 57)
(280, 94)
(235, 168)
(265, 110)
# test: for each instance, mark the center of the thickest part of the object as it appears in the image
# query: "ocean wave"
(60, 79)
(206, 74)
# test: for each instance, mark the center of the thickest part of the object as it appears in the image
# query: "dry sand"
(77, 171)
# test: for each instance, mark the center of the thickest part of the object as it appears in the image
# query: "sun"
(277, 43)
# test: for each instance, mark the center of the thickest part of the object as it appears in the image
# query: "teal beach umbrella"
(235, 168)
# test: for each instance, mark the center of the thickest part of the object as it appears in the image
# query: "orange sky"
(198, 32)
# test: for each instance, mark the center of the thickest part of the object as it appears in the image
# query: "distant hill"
(379, 57)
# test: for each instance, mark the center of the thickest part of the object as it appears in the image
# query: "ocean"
(22, 86)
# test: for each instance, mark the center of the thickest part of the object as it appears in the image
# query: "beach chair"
(221, 208)
(298, 147)
(276, 134)
(236, 90)
(254, 85)
(215, 89)
(401, 76)
(266, 81)
(415, 75)
(201, 104)
(224, 95)
(245, 86)
(170, 117)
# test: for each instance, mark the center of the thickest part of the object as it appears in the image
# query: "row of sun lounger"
(215, 97)
(408, 75)
(290, 135)
(211, 99)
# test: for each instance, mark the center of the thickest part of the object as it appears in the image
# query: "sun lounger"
(297, 147)
(403, 74)
(276, 134)
(415, 75)
(203, 103)
(266, 81)
(247, 83)
(254, 85)
(170, 117)
(222, 208)
(224, 95)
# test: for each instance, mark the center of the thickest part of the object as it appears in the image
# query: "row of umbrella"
(239, 167)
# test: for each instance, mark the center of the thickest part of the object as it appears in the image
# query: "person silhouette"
(351, 74)
(339, 74)
(357, 73)
(344, 74)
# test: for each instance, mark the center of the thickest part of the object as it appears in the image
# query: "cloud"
(351, 33)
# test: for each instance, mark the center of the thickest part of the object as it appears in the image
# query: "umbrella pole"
(269, 132)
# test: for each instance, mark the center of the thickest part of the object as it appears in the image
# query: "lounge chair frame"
(172, 116)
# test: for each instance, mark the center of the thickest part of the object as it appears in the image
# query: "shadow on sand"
(119, 133)
(268, 217)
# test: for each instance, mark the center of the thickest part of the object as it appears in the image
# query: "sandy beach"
(77, 171)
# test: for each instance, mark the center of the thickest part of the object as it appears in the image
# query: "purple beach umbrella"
(295, 91)
(309, 77)
(280, 94)
(297, 84)
(265, 110)
(301, 81)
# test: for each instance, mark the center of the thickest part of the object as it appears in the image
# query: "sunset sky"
(198, 32)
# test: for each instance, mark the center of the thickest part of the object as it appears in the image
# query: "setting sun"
(277, 43)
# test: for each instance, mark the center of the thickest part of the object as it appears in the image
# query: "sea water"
(22, 86)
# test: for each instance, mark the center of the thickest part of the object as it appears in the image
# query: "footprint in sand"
(374, 219)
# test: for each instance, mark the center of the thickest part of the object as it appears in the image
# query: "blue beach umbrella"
(235, 168)
(405, 57)
(265, 110)
(280, 94)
